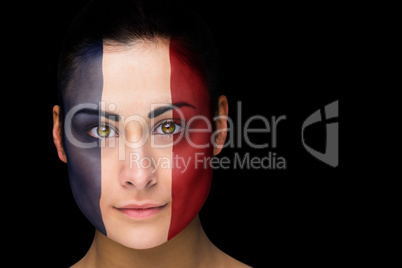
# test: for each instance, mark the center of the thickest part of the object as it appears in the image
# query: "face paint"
(191, 182)
(136, 192)
(139, 194)
(84, 166)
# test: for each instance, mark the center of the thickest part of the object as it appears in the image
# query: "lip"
(141, 211)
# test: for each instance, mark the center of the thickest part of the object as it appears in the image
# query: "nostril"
(149, 183)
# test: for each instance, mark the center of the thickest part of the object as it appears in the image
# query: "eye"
(167, 128)
(103, 131)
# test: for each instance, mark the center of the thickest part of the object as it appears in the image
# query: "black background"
(277, 60)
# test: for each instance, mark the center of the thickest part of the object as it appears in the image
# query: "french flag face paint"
(191, 179)
(83, 153)
(138, 131)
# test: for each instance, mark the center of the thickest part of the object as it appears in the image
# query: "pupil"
(168, 128)
(103, 131)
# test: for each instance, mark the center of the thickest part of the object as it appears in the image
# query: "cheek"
(191, 178)
(84, 165)
(191, 181)
(84, 168)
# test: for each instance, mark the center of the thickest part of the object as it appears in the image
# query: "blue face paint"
(84, 162)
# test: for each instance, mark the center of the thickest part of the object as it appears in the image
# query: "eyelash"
(93, 131)
(178, 127)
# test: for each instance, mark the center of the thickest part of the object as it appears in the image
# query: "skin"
(134, 79)
(146, 68)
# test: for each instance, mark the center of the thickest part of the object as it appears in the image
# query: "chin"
(138, 233)
(138, 239)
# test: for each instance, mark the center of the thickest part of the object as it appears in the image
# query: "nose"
(138, 170)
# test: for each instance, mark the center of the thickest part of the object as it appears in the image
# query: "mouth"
(141, 211)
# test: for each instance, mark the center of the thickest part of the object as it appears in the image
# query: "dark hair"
(127, 22)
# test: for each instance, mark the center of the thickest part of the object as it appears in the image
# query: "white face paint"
(136, 198)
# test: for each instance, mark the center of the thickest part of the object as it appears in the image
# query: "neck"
(190, 248)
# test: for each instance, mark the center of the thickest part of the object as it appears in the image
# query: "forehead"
(86, 83)
(135, 76)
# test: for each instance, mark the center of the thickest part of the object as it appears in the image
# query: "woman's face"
(137, 133)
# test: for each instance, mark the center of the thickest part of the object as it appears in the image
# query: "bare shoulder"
(77, 265)
(231, 262)
(226, 261)
(80, 264)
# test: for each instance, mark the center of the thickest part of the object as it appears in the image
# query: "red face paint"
(191, 178)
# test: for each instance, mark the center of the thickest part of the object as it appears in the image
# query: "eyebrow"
(115, 117)
(110, 116)
(158, 111)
